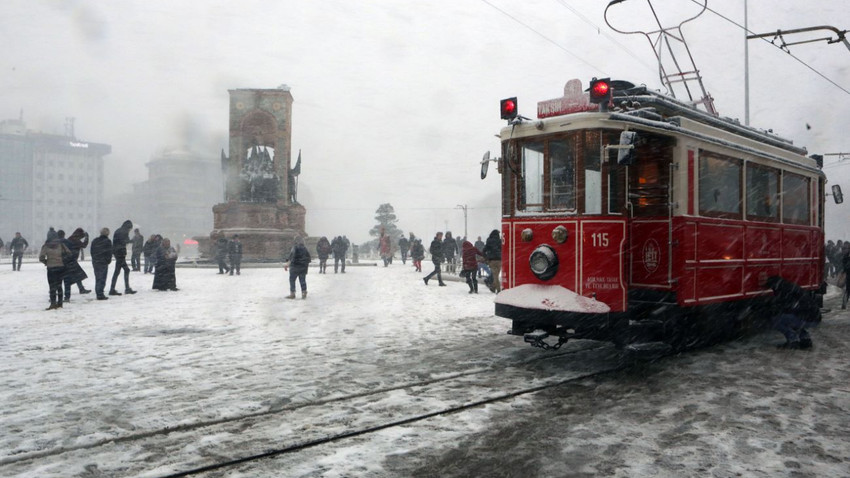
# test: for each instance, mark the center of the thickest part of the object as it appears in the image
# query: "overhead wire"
(541, 35)
(747, 30)
(602, 32)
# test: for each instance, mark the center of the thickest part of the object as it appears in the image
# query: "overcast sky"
(394, 101)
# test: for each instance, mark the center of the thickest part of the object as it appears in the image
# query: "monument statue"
(260, 187)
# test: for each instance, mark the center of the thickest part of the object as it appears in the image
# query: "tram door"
(649, 188)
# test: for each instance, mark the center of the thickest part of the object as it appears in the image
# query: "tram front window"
(563, 166)
(532, 176)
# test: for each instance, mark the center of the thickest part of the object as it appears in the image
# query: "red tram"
(630, 216)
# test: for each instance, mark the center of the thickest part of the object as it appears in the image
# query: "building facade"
(48, 181)
(176, 199)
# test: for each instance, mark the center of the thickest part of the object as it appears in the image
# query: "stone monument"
(261, 203)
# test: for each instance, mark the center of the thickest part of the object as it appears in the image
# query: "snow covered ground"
(162, 382)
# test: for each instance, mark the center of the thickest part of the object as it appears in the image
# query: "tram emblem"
(651, 253)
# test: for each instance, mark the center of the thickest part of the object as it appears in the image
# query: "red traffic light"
(600, 90)
(508, 108)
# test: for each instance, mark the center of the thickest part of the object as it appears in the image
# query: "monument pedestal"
(267, 230)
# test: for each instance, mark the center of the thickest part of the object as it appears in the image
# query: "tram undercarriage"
(648, 330)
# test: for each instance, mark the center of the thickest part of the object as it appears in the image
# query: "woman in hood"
(51, 255)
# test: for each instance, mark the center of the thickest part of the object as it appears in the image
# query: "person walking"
(469, 265)
(138, 243)
(221, 254)
(436, 251)
(18, 246)
(482, 266)
(52, 255)
(417, 253)
(164, 276)
(234, 250)
(297, 263)
(797, 311)
(449, 252)
(74, 274)
(384, 246)
(844, 268)
(323, 251)
(493, 254)
(403, 248)
(338, 246)
(101, 256)
(148, 250)
(119, 250)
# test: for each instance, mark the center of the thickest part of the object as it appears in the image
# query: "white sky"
(394, 101)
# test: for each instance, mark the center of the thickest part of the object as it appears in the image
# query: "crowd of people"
(61, 256)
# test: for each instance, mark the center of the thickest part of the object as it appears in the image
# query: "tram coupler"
(536, 339)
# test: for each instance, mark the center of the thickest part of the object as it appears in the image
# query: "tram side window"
(795, 199)
(762, 193)
(719, 186)
(562, 166)
(532, 176)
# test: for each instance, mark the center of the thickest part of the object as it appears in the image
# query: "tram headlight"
(544, 262)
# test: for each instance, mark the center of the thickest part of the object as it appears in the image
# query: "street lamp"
(464, 207)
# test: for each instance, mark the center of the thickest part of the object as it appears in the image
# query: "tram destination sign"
(574, 101)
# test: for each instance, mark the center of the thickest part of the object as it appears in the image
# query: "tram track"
(343, 417)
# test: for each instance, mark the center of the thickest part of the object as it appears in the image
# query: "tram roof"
(647, 109)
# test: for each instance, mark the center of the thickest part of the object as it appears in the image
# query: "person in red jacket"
(469, 255)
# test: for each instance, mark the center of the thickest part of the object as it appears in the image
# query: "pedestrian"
(796, 311)
(479, 244)
(469, 265)
(297, 263)
(119, 250)
(384, 246)
(436, 251)
(323, 251)
(101, 256)
(338, 246)
(417, 253)
(138, 242)
(221, 254)
(74, 274)
(234, 250)
(164, 276)
(18, 246)
(52, 255)
(148, 250)
(404, 247)
(449, 252)
(493, 254)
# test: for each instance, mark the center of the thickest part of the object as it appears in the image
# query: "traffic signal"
(600, 90)
(509, 108)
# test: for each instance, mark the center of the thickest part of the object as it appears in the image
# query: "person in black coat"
(164, 276)
(119, 250)
(403, 247)
(436, 251)
(796, 310)
(148, 250)
(18, 246)
(234, 250)
(137, 242)
(493, 254)
(297, 263)
(221, 254)
(450, 250)
(323, 250)
(101, 256)
(74, 274)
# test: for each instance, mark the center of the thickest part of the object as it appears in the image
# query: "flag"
(297, 169)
